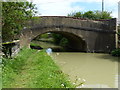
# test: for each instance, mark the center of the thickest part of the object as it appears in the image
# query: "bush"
(64, 42)
(116, 52)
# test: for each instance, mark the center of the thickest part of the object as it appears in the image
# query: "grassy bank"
(33, 69)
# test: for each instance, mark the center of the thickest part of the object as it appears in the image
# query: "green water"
(96, 70)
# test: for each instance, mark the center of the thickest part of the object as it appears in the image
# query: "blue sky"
(63, 7)
(88, 6)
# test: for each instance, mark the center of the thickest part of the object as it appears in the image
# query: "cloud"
(53, 8)
(63, 7)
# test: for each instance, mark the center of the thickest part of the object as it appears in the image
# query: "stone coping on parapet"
(78, 18)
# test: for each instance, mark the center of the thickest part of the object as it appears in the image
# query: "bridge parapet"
(85, 24)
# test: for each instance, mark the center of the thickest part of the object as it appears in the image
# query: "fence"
(10, 49)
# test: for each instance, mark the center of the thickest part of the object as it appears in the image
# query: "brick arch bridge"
(83, 34)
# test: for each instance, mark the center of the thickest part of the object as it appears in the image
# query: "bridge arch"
(76, 42)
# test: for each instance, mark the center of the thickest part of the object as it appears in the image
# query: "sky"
(64, 7)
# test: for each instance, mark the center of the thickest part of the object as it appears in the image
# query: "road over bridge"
(83, 34)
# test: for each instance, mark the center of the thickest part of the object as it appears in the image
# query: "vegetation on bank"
(53, 38)
(116, 52)
(33, 69)
(34, 44)
(60, 40)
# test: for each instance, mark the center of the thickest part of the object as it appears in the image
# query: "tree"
(75, 14)
(14, 16)
(103, 15)
(57, 38)
(92, 15)
(89, 15)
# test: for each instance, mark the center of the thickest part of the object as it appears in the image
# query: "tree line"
(92, 14)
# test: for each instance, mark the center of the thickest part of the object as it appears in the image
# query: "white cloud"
(57, 8)
(63, 7)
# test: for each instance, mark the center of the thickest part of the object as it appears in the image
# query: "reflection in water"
(99, 70)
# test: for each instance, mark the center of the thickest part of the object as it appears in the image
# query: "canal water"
(94, 70)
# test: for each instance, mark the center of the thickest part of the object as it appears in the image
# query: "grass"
(34, 44)
(33, 69)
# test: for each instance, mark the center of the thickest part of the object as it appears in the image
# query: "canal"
(94, 70)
